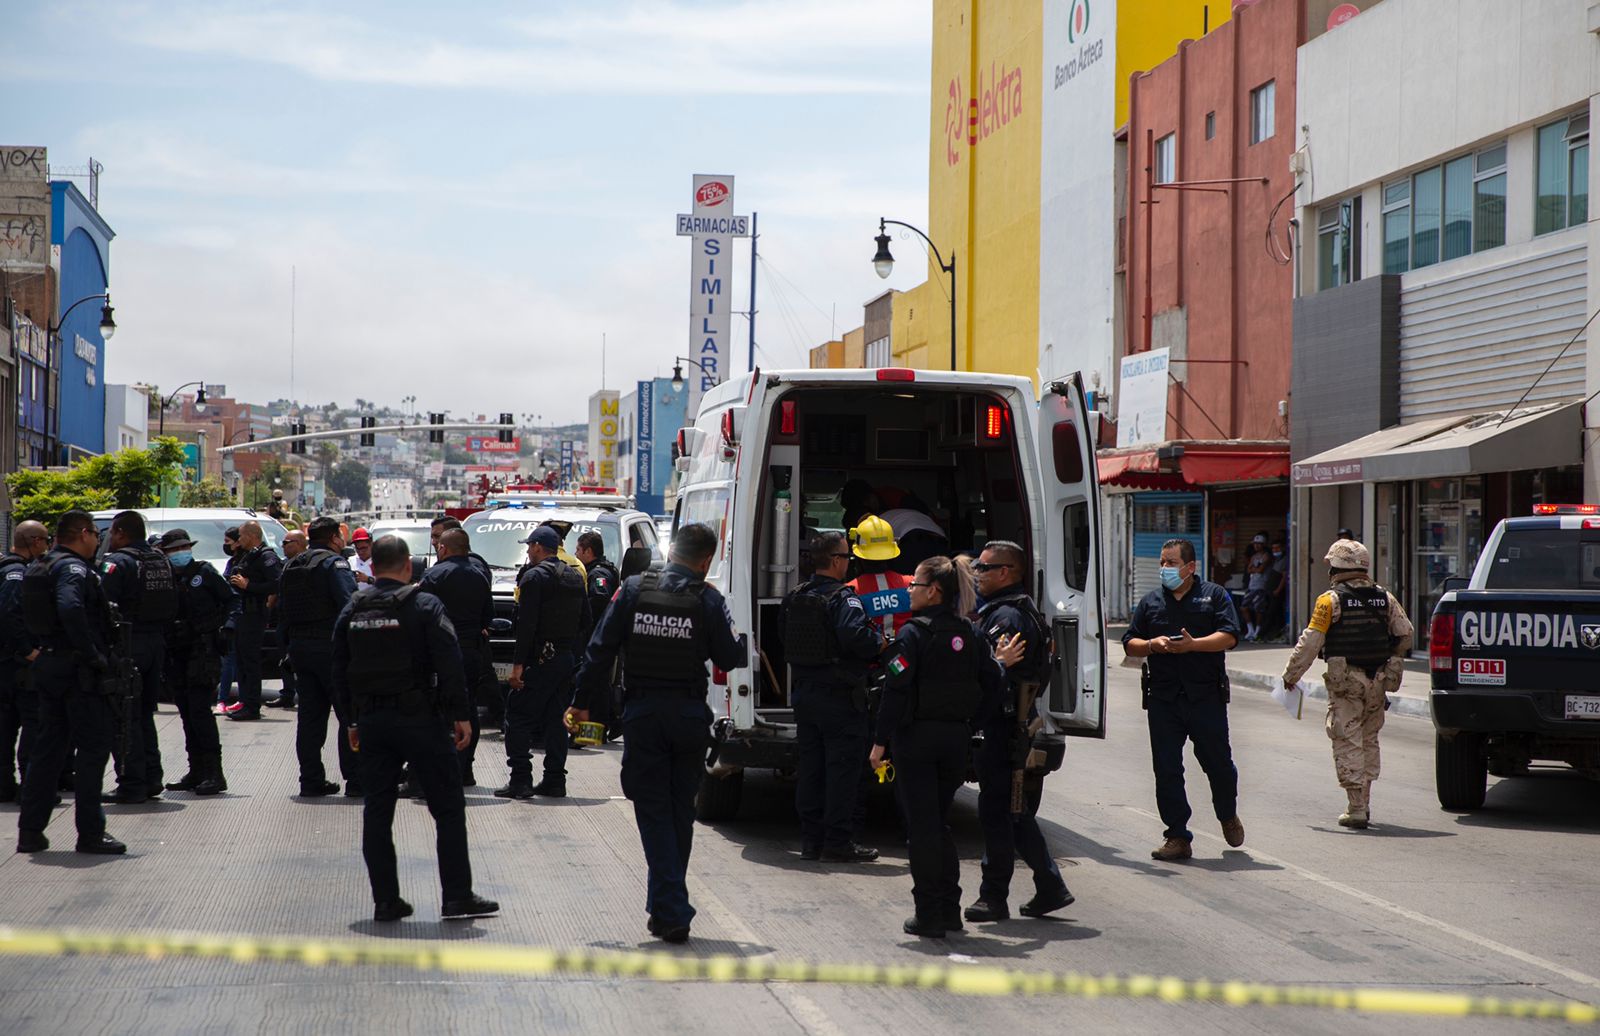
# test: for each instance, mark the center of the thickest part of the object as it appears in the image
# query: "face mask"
(181, 558)
(1171, 578)
(1277, 553)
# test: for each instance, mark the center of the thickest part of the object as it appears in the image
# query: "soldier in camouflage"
(1364, 635)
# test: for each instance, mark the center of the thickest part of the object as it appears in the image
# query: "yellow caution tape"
(962, 980)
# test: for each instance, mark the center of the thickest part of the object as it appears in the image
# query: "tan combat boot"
(1355, 814)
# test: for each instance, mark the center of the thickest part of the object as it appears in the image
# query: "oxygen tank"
(779, 565)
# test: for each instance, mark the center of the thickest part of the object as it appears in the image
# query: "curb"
(1401, 704)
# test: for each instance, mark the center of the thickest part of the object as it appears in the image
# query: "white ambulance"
(773, 457)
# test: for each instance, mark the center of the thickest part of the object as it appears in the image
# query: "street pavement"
(1498, 903)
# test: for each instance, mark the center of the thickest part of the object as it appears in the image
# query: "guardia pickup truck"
(1515, 656)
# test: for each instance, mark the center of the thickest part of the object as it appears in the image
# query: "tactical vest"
(308, 611)
(598, 601)
(667, 639)
(39, 594)
(560, 604)
(809, 638)
(155, 592)
(1361, 636)
(382, 671)
(1035, 665)
(199, 611)
(947, 669)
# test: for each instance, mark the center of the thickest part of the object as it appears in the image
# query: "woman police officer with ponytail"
(942, 681)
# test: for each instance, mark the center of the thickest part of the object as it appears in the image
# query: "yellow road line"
(961, 980)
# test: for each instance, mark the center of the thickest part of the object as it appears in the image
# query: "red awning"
(1194, 465)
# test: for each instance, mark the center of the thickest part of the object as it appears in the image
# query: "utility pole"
(754, 237)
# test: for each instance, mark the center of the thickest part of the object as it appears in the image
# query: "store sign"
(492, 444)
(1142, 399)
(568, 472)
(1329, 473)
(647, 497)
(603, 429)
(711, 228)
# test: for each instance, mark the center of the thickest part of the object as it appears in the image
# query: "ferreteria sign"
(712, 226)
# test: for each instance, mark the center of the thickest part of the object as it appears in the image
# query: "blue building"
(84, 240)
(651, 416)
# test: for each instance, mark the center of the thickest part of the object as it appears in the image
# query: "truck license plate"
(1583, 707)
(502, 672)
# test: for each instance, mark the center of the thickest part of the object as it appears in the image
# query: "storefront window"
(1449, 535)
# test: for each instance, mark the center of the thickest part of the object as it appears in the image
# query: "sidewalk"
(1255, 666)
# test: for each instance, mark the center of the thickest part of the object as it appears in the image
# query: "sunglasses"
(908, 585)
(845, 555)
(983, 566)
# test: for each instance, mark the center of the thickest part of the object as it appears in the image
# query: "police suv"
(974, 456)
(1515, 655)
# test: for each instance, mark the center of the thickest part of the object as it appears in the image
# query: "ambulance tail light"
(896, 374)
(995, 422)
(1442, 643)
(719, 676)
(786, 417)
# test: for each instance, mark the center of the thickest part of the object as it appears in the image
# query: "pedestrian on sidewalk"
(1254, 605)
(1183, 630)
(1364, 634)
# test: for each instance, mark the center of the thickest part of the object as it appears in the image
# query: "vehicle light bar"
(1566, 508)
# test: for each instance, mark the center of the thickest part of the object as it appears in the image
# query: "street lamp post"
(199, 399)
(677, 372)
(883, 263)
(108, 327)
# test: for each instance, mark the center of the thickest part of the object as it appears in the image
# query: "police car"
(772, 457)
(1514, 654)
(497, 533)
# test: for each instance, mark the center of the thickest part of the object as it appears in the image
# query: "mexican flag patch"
(897, 664)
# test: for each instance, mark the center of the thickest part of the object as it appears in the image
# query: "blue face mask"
(1171, 578)
(181, 559)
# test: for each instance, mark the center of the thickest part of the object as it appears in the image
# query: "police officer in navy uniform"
(19, 699)
(138, 579)
(603, 579)
(66, 608)
(1008, 611)
(828, 641)
(1182, 629)
(396, 672)
(194, 660)
(552, 609)
(464, 591)
(666, 624)
(488, 697)
(316, 586)
(943, 680)
(255, 577)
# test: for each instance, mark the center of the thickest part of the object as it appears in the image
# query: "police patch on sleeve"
(897, 664)
(109, 567)
(14, 574)
(196, 581)
(78, 568)
(341, 563)
(855, 602)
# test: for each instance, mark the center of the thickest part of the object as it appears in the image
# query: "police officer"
(942, 680)
(1183, 629)
(138, 580)
(1009, 796)
(19, 699)
(1364, 634)
(468, 601)
(316, 586)
(828, 642)
(666, 624)
(66, 608)
(255, 578)
(489, 697)
(294, 544)
(396, 673)
(194, 662)
(602, 579)
(552, 610)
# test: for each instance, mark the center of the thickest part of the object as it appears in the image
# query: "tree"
(352, 480)
(125, 479)
(208, 492)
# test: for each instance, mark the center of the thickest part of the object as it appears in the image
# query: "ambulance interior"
(942, 464)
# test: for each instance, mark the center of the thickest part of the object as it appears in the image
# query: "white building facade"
(127, 418)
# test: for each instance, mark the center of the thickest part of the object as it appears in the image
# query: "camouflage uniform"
(1356, 698)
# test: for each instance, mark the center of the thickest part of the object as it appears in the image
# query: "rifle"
(1020, 744)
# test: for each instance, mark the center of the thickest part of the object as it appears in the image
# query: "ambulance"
(773, 457)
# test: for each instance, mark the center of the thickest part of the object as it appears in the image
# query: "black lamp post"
(108, 327)
(883, 263)
(677, 372)
(199, 399)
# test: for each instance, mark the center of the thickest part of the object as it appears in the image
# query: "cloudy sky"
(469, 203)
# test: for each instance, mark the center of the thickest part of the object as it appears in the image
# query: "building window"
(1563, 175)
(1446, 211)
(1166, 163)
(1339, 244)
(1211, 125)
(878, 353)
(1263, 108)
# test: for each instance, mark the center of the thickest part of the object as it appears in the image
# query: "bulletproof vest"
(39, 594)
(947, 669)
(1361, 636)
(668, 639)
(560, 603)
(198, 610)
(155, 594)
(1035, 665)
(599, 600)
(381, 665)
(308, 611)
(808, 634)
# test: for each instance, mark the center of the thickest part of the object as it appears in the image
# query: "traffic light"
(368, 438)
(436, 434)
(505, 427)
(299, 445)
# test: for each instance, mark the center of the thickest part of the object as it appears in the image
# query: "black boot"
(211, 781)
(190, 779)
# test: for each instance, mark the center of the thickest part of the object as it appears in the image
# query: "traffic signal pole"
(345, 433)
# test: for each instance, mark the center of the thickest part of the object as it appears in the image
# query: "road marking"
(1481, 941)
